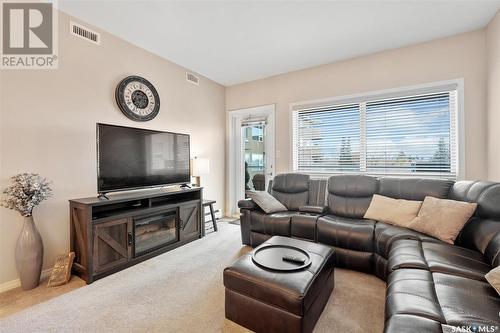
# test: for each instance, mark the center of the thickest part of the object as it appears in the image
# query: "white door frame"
(236, 173)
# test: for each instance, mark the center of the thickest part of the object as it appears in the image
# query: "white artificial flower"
(26, 191)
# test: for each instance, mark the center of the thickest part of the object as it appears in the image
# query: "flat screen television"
(132, 158)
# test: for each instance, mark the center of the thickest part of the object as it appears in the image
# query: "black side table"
(210, 204)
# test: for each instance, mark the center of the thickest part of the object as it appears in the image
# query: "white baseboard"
(17, 283)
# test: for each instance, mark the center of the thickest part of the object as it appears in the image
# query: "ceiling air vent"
(85, 33)
(190, 77)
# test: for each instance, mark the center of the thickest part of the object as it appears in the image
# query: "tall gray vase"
(29, 255)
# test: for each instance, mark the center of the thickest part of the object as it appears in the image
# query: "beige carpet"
(182, 291)
(16, 300)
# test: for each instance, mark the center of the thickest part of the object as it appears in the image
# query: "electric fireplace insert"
(154, 231)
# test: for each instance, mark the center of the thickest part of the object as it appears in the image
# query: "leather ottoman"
(272, 301)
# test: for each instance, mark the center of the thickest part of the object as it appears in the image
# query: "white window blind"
(328, 139)
(410, 135)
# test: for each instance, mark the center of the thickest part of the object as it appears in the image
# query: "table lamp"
(201, 166)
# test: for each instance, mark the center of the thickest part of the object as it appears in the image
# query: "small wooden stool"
(210, 204)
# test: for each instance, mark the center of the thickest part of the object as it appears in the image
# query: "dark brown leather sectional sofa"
(431, 286)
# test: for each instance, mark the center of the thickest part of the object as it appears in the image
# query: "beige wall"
(493, 61)
(49, 118)
(461, 56)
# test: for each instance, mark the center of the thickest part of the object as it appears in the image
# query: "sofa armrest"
(247, 204)
(247, 208)
(313, 209)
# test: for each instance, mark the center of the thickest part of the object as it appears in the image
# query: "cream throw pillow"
(442, 218)
(393, 211)
(493, 278)
(266, 202)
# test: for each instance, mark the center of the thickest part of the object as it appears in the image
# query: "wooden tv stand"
(108, 235)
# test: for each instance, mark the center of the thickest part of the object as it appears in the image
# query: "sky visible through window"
(405, 135)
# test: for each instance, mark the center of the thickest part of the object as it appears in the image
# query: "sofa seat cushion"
(448, 299)
(411, 292)
(293, 292)
(411, 324)
(437, 257)
(455, 260)
(386, 234)
(271, 224)
(465, 301)
(406, 253)
(347, 233)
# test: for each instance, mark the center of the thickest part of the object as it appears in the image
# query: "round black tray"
(271, 257)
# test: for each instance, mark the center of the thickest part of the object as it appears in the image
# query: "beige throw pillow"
(493, 278)
(266, 202)
(393, 211)
(442, 218)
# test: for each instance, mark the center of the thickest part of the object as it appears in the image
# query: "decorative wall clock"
(137, 98)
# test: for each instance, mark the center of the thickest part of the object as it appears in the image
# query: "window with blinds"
(328, 139)
(405, 136)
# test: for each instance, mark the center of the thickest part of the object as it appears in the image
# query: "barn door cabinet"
(110, 235)
(112, 245)
(189, 215)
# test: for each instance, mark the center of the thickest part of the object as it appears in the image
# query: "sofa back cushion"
(291, 189)
(482, 232)
(485, 194)
(350, 195)
(414, 188)
(492, 252)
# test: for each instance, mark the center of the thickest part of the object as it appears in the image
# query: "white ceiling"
(237, 41)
